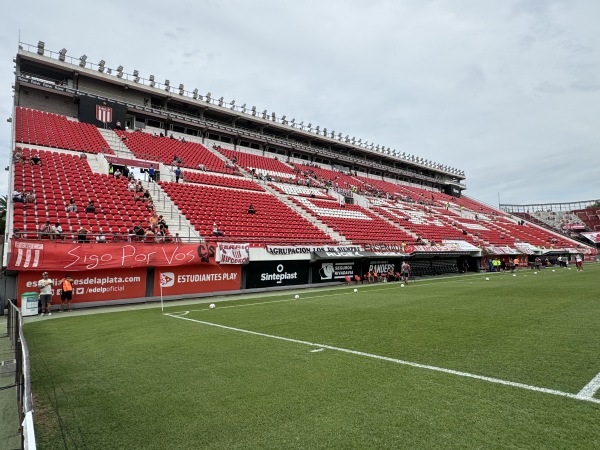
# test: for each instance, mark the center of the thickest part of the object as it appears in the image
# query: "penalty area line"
(578, 396)
(591, 388)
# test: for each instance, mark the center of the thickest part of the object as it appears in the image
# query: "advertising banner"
(99, 285)
(233, 253)
(327, 271)
(276, 273)
(197, 279)
(304, 249)
(56, 255)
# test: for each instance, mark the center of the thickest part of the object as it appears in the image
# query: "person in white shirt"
(45, 287)
(101, 238)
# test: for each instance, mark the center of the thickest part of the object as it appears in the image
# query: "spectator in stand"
(118, 174)
(46, 230)
(217, 231)
(82, 235)
(131, 186)
(30, 198)
(35, 160)
(118, 125)
(177, 174)
(125, 172)
(202, 167)
(151, 172)
(72, 207)
(90, 207)
(149, 236)
(177, 239)
(111, 169)
(251, 209)
(18, 156)
(153, 221)
(147, 196)
(100, 237)
(139, 187)
(150, 206)
(139, 231)
(57, 232)
(17, 196)
(162, 223)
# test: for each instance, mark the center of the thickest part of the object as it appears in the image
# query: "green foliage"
(594, 205)
(139, 379)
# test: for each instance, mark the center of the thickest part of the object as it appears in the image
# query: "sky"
(508, 91)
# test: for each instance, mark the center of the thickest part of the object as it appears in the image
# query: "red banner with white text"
(74, 257)
(96, 286)
(197, 279)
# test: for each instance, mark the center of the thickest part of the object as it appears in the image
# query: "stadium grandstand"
(140, 189)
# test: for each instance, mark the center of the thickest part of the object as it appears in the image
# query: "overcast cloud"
(508, 91)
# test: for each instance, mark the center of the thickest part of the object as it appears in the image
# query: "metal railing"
(14, 325)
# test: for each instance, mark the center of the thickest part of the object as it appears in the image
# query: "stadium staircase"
(116, 144)
(167, 208)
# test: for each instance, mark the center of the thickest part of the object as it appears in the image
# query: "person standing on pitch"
(405, 271)
(45, 286)
(579, 263)
(66, 295)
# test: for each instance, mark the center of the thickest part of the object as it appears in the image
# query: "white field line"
(400, 361)
(591, 388)
(424, 283)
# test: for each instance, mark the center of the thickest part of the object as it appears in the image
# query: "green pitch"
(499, 364)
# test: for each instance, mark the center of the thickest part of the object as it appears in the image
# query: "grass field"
(331, 369)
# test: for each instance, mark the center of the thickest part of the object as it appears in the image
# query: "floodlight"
(309, 126)
(108, 70)
(167, 85)
(283, 119)
(325, 132)
(61, 54)
(41, 46)
(244, 108)
(264, 114)
(221, 101)
(195, 94)
(353, 140)
(181, 90)
(101, 65)
(82, 60)
(136, 76)
(232, 104)
(273, 118)
(152, 82)
(301, 125)
(120, 71)
(208, 98)
(254, 110)
(317, 130)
